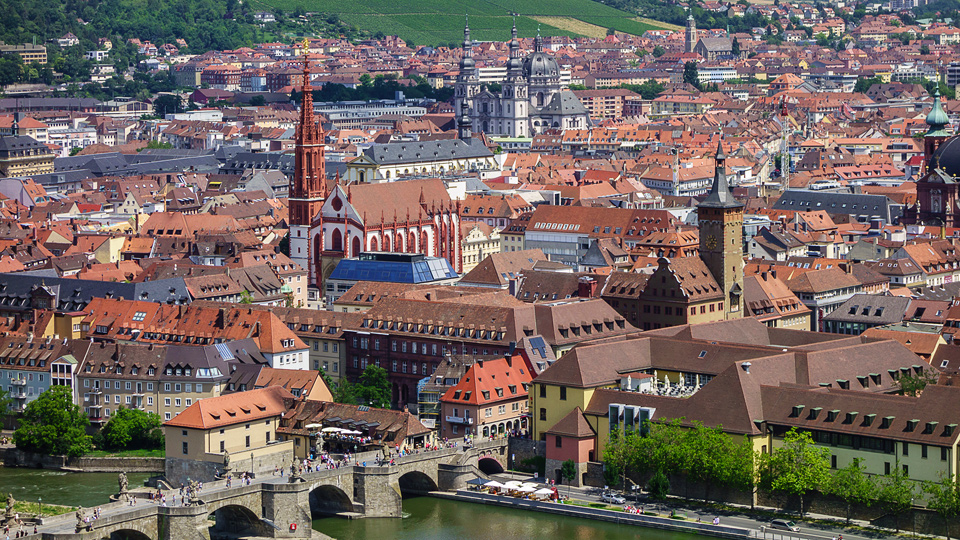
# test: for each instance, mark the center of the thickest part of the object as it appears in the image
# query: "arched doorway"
(489, 465)
(236, 519)
(328, 500)
(416, 483)
(355, 248)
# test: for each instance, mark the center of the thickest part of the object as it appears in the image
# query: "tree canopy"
(53, 424)
(131, 429)
(797, 467)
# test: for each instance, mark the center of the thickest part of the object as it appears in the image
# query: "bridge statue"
(122, 480)
(81, 519)
(295, 469)
(8, 515)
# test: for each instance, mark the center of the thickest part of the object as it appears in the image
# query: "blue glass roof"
(423, 270)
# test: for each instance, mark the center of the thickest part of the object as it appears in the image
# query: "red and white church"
(330, 221)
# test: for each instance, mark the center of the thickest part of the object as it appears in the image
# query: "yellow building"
(23, 156)
(479, 240)
(242, 426)
(758, 382)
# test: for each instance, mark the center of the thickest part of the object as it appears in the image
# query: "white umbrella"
(543, 491)
(314, 426)
(525, 489)
(329, 429)
(513, 484)
(530, 485)
(493, 484)
(351, 432)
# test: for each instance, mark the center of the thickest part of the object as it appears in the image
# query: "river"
(426, 518)
(66, 488)
(441, 519)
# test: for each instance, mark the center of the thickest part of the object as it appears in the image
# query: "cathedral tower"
(691, 35)
(468, 81)
(721, 237)
(308, 188)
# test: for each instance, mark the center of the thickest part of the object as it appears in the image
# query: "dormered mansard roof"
(417, 152)
(17, 290)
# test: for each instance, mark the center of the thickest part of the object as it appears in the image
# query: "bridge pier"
(376, 491)
(287, 506)
(452, 477)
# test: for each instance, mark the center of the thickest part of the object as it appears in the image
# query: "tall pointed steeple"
(308, 187)
(720, 196)
(467, 64)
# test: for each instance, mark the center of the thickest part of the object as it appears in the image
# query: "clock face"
(711, 241)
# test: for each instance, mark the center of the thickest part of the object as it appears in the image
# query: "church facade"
(938, 189)
(531, 99)
(330, 221)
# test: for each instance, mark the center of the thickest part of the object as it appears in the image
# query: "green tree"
(344, 392)
(167, 104)
(5, 401)
(735, 47)
(650, 89)
(897, 492)
(658, 51)
(797, 467)
(705, 453)
(246, 297)
(944, 498)
(373, 388)
(132, 429)
(659, 486)
(924, 49)
(258, 101)
(853, 485)
(913, 385)
(568, 471)
(864, 84)
(53, 424)
(690, 75)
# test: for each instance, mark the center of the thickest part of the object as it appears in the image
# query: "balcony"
(460, 420)
(20, 382)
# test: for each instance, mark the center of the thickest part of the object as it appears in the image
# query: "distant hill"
(440, 22)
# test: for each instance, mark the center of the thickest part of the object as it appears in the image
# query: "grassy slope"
(440, 22)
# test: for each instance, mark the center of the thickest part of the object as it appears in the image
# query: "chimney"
(586, 287)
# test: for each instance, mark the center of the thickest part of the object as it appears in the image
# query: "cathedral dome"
(540, 64)
(947, 156)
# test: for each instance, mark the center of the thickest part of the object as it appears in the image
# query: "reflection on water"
(441, 519)
(67, 488)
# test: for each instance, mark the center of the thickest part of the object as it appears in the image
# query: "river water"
(442, 519)
(66, 488)
(426, 518)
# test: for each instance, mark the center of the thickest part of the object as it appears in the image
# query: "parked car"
(612, 498)
(784, 525)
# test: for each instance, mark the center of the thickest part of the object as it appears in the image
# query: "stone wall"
(116, 464)
(16, 458)
(181, 471)
(519, 450)
(553, 473)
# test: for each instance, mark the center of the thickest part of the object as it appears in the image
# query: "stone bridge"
(274, 508)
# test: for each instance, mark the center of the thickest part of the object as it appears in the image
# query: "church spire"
(720, 196)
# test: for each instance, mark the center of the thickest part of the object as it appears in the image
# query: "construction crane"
(784, 145)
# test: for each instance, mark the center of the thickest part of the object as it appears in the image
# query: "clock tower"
(721, 237)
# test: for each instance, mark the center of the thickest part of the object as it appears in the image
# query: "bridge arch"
(328, 499)
(129, 534)
(415, 483)
(489, 465)
(235, 518)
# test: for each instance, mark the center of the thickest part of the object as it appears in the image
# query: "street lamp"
(40, 505)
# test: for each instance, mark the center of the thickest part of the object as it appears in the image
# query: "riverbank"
(613, 516)
(129, 464)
